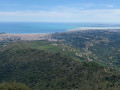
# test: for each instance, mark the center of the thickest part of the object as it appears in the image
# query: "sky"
(60, 11)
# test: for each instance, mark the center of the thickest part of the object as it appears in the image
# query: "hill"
(44, 65)
(97, 45)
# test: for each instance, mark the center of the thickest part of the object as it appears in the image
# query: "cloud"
(73, 7)
(64, 13)
(111, 6)
(37, 14)
(67, 14)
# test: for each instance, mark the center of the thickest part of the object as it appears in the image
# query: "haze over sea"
(37, 27)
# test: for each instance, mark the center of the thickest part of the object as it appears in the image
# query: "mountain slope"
(45, 69)
(101, 46)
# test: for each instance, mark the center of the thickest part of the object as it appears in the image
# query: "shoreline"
(44, 36)
(92, 28)
(27, 36)
(69, 30)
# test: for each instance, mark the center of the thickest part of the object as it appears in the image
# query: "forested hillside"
(45, 65)
(101, 46)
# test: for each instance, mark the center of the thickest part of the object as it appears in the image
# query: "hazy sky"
(60, 10)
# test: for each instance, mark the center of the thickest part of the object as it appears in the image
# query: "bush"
(13, 86)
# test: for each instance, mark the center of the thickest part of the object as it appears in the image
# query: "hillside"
(42, 66)
(101, 46)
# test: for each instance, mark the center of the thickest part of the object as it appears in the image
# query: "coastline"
(25, 36)
(95, 28)
(45, 36)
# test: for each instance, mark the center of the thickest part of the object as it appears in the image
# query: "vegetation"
(13, 86)
(101, 46)
(36, 64)
(85, 60)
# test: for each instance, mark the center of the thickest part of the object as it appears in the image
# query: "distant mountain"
(3, 33)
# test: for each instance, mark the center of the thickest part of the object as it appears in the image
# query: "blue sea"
(37, 27)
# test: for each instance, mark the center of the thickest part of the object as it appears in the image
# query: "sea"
(45, 27)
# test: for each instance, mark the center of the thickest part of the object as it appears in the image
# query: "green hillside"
(44, 65)
(101, 46)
